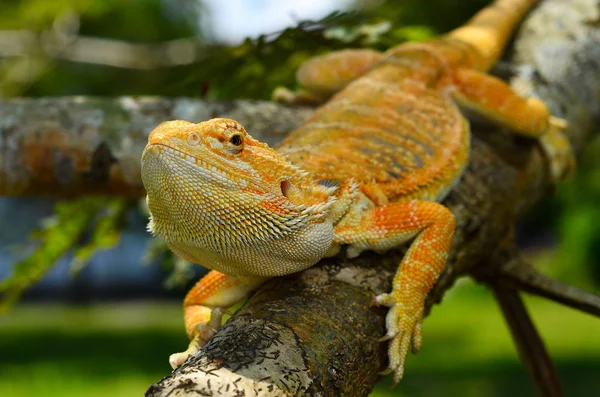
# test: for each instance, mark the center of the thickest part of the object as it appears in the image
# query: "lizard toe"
(203, 335)
(177, 359)
(404, 330)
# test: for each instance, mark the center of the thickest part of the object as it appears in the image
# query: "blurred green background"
(119, 345)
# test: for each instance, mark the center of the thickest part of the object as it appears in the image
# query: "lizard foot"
(558, 150)
(202, 335)
(403, 331)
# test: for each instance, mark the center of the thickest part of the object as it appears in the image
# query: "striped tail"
(491, 28)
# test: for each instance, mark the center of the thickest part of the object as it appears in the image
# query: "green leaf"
(59, 233)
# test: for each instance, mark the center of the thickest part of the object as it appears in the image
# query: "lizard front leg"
(386, 227)
(203, 304)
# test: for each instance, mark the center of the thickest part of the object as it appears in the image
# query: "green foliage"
(140, 21)
(135, 20)
(38, 15)
(85, 225)
(254, 68)
(438, 15)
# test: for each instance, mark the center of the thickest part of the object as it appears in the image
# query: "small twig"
(529, 344)
(521, 275)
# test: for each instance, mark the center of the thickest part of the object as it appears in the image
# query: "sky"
(233, 20)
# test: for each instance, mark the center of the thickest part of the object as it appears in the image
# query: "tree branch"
(522, 276)
(529, 344)
(73, 146)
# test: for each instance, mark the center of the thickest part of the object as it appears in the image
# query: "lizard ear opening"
(285, 188)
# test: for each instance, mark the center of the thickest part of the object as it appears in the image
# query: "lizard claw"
(403, 331)
(374, 302)
(223, 311)
(384, 338)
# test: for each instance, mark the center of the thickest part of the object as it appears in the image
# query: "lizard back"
(395, 130)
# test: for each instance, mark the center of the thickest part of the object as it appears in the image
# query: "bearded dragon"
(367, 171)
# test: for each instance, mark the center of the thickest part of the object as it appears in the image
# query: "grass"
(468, 350)
(119, 350)
(105, 350)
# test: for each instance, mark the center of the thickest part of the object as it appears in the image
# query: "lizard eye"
(193, 139)
(236, 140)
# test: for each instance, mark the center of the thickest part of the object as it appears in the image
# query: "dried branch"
(29, 54)
(521, 275)
(529, 344)
(63, 42)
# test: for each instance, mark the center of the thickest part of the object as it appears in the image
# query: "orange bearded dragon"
(366, 172)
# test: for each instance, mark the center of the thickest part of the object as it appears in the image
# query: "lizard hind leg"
(493, 99)
(432, 225)
(203, 308)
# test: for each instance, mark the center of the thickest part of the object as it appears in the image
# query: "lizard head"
(222, 199)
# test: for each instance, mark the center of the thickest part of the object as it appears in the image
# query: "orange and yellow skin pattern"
(367, 172)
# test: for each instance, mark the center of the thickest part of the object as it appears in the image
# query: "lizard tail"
(491, 28)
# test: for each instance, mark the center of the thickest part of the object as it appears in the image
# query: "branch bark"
(315, 332)
(77, 145)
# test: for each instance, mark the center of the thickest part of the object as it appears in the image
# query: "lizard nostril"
(285, 187)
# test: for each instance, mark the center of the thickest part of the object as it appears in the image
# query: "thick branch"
(74, 146)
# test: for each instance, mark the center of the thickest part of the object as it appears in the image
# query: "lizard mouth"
(181, 158)
(210, 171)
